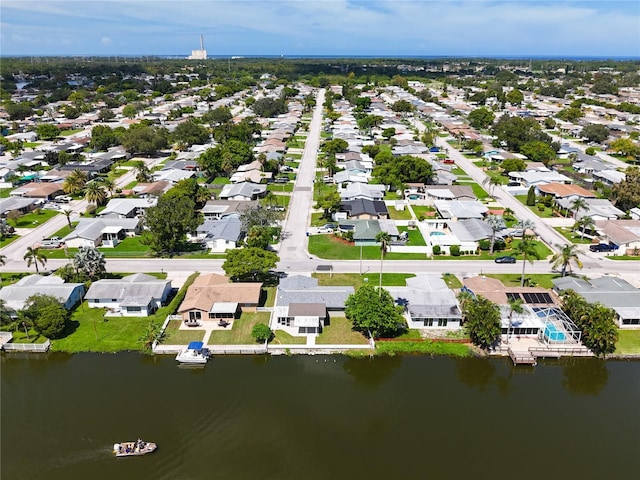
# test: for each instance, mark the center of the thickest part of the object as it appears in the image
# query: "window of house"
(442, 322)
(195, 315)
(134, 309)
(428, 322)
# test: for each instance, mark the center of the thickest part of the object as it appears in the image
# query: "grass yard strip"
(571, 235)
(422, 347)
(12, 277)
(8, 239)
(404, 214)
(415, 236)
(281, 337)
(269, 296)
(423, 211)
(331, 248)
(543, 280)
(339, 332)
(240, 334)
(175, 336)
(624, 257)
(355, 279)
(628, 342)
(451, 280)
(479, 192)
(35, 219)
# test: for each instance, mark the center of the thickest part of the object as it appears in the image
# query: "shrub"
(455, 250)
(541, 207)
(590, 151)
(261, 333)
(484, 244)
(437, 250)
(91, 210)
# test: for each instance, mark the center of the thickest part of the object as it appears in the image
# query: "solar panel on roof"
(513, 296)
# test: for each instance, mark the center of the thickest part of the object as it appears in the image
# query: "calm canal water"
(318, 418)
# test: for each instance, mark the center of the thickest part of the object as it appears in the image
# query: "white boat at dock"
(194, 353)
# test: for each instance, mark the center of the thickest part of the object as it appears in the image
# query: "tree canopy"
(146, 140)
(396, 171)
(269, 107)
(249, 264)
(168, 222)
(372, 309)
(481, 118)
(46, 314)
(481, 321)
(627, 192)
(190, 132)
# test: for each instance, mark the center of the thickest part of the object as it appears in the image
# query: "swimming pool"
(435, 234)
(553, 334)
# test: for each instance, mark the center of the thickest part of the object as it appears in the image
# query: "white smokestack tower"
(199, 54)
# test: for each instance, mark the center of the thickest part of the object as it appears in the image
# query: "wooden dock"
(522, 358)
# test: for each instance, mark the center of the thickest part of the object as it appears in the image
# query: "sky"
(570, 28)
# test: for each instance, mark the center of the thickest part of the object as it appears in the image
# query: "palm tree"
(508, 213)
(94, 193)
(67, 213)
(109, 185)
(585, 223)
(496, 223)
(143, 174)
(491, 183)
(74, 182)
(526, 248)
(578, 204)
(515, 306)
(566, 255)
(3, 262)
(33, 255)
(383, 238)
(89, 261)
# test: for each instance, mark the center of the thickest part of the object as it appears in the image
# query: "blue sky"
(321, 27)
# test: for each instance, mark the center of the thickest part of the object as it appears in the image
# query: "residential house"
(217, 209)
(44, 190)
(16, 295)
(596, 208)
(251, 172)
(562, 190)
(613, 292)
(364, 209)
(244, 191)
(127, 207)
(303, 307)
(172, 176)
(623, 233)
(355, 191)
(609, 177)
(460, 210)
(137, 295)
(428, 302)
(213, 296)
(145, 190)
(106, 232)
(17, 204)
(536, 178)
(220, 235)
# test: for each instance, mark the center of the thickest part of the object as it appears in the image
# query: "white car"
(324, 230)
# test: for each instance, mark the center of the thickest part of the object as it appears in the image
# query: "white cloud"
(106, 41)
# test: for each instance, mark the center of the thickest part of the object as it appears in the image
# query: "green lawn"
(280, 337)
(423, 210)
(628, 342)
(175, 336)
(541, 248)
(332, 248)
(12, 277)
(64, 231)
(624, 257)
(392, 196)
(114, 174)
(478, 191)
(415, 237)
(5, 192)
(339, 332)
(8, 239)
(35, 218)
(66, 133)
(129, 247)
(355, 279)
(317, 220)
(400, 214)
(423, 347)
(546, 213)
(451, 280)
(269, 296)
(543, 280)
(572, 236)
(280, 187)
(240, 334)
(497, 174)
(458, 171)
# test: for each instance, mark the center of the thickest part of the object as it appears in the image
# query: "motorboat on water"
(133, 449)
(194, 353)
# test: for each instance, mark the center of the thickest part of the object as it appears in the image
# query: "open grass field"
(333, 248)
(399, 214)
(240, 334)
(543, 280)
(339, 332)
(355, 280)
(628, 342)
(34, 219)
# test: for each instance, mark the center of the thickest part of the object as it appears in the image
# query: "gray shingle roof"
(136, 285)
(301, 289)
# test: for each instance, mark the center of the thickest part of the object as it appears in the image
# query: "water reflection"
(585, 376)
(475, 371)
(372, 372)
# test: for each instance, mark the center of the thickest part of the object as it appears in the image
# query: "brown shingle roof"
(563, 190)
(209, 289)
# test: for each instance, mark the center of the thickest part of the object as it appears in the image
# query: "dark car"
(602, 247)
(505, 259)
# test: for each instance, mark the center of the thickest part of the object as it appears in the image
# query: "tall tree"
(566, 255)
(67, 213)
(46, 314)
(496, 223)
(94, 193)
(515, 306)
(33, 255)
(249, 264)
(584, 224)
(373, 312)
(577, 204)
(627, 192)
(90, 262)
(168, 222)
(143, 174)
(75, 182)
(482, 321)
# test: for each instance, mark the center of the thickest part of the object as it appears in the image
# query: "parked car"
(603, 247)
(53, 242)
(62, 199)
(449, 161)
(324, 230)
(505, 259)
(331, 226)
(281, 180)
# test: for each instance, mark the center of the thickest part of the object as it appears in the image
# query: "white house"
(15, 295)
(137, 295)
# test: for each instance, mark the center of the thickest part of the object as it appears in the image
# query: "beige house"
(213, 296)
